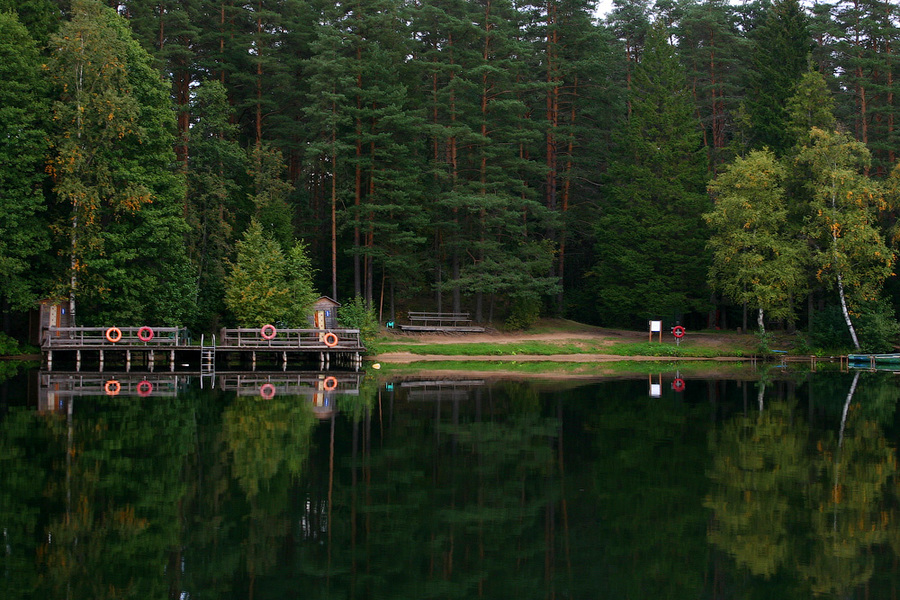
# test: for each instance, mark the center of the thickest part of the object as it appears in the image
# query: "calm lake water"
(761, 484)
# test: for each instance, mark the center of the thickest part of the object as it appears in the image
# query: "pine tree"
(867, 55)
(216, 171)
(327, 113)
(781, 47)
(168, 30)
(711, 48)
(267, 285)
(40, 17)
(23, 223)
(650, 235)
(387, 211)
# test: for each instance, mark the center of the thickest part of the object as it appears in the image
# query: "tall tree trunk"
(566, 195)
(333, 218)
(357, 190)
(259, 73)
(457, 296)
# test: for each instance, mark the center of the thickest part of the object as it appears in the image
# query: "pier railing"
(111, 337)
(287, 339)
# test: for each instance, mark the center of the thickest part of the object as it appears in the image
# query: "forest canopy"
(695, 161)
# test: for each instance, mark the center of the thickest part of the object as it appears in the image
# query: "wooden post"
(172, 361)
(78, 359)
(101, 361)
(128, 361)
(655, 326)
(150, 360)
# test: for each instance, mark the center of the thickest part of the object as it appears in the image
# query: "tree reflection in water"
(812, 503)
(525, 490)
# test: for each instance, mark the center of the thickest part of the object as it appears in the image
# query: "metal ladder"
(207, 358)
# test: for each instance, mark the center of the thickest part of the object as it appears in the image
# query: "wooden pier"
(173, 348)
(57, 391)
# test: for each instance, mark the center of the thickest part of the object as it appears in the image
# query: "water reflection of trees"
(815, 503)
(757, 461)
(103, 492)
(504, 493)
(446, 499)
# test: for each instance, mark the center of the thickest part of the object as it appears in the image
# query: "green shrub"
(877, 327)
(525, 313)
(8, 346)
(828, 330)
(356, 315)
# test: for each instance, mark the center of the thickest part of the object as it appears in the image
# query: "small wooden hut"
(324, 313)
(49, 313)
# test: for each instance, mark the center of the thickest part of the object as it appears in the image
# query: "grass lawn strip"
(543, 348)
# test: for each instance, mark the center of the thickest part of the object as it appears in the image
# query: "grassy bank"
(547, 348)
(573, 369)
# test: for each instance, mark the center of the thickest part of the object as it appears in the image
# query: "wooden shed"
(324, 313)
(50, 313)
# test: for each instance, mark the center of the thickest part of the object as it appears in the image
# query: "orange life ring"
(678, 331)
(268, 331)
(145, 334)
(112, 387)
(330, 339)
(678, 385)
(144, 388)
(267, 391)
(330, 383)
(113, 334)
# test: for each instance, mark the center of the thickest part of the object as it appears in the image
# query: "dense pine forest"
(211, 162)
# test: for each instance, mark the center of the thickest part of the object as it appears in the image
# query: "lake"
(759, 482)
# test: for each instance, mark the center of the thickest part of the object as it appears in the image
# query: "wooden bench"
(441, 321)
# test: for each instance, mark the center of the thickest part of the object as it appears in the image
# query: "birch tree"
(755, 260)
(849, 248)
(112, 168)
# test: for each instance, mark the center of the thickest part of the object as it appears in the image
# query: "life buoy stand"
(144, 388)
(267, 391)
(678, 385)
(330, 339)
(678, 331)
(145, 334)
(330, 383)
(268, 331)
(113, 334)
(112, 387)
